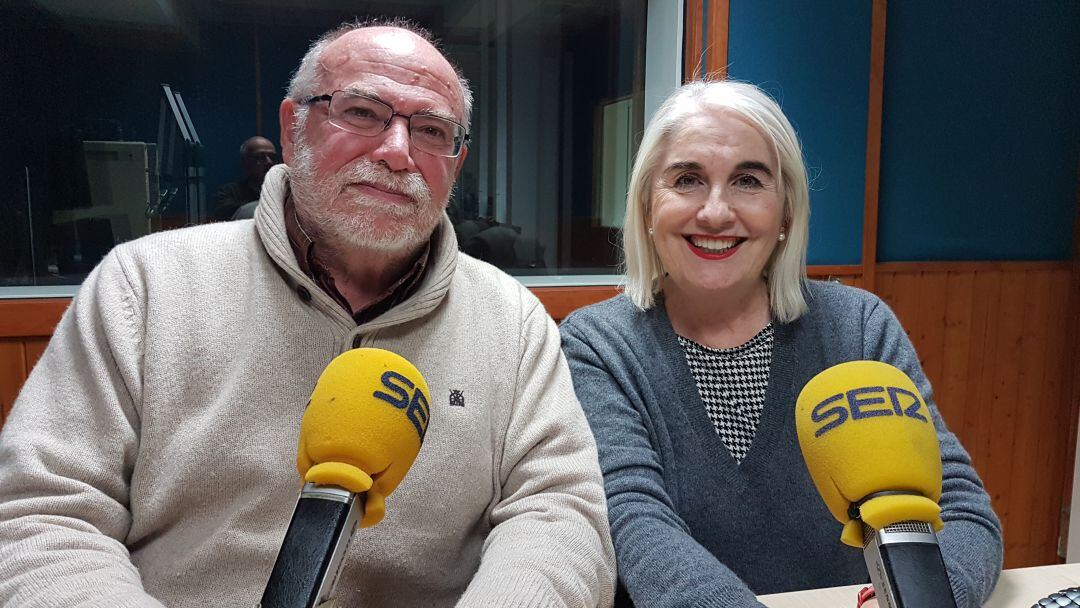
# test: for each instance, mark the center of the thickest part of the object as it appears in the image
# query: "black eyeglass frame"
(459, 143)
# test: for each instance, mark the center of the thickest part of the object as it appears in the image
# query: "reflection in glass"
(558, 111)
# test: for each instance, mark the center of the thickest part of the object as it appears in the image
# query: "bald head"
(387, 43)
(384, 56)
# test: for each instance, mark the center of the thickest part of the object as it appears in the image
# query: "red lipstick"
(701, 253)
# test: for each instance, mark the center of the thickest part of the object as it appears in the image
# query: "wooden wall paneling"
(1048, 468)
(821, 271)
(1032, 411)
(990, 341)
(884, 289)
(904, 301)
(692, 26)
(853, 281)
(716, 31)
(31, 317)
(972, 266)
(34, 347)
(873, 144)
(1004, 394)
(846, 274)
(1071, 397)
(950, 391)
(12, 373)
(561, 301)
(1071, 369)
(932, 290)
(985, 295)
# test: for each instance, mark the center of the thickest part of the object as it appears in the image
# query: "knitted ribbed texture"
(691, 526)
(163, 420)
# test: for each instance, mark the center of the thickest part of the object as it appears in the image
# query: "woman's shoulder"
(613, 313)
(619, 334)
(616, 323)
(831, 299)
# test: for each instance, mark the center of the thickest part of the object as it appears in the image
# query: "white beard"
(350, 219)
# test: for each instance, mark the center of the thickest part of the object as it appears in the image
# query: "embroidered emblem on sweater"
(457, 398)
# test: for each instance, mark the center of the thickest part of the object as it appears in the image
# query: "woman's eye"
(686, 181)
(747, 181)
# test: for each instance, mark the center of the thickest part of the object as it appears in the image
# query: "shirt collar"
(306, 251)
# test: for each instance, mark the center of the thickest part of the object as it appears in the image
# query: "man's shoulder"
(488, 283)
(191, 248)
(182, 267)
(224, 235)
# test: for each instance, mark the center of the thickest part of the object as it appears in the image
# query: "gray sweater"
(692, 528)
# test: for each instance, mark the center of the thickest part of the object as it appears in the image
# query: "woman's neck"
(719, 319)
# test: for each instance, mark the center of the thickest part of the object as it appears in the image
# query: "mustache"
(360, 170)
(365, 171)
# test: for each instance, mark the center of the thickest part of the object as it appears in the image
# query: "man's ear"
(460, 161)
(287, 121)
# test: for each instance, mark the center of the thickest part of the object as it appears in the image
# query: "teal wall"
(981, 121)
(814, 58)
(981, 131)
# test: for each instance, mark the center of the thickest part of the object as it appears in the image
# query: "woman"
(689, 378)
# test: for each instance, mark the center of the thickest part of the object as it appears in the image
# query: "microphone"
(870, 446)
(361, 432)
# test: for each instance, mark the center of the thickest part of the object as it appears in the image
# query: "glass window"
(130, 119)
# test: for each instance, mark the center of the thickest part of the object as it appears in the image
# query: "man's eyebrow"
(437, 114)
(354, 90)
(754, 165)
(426, 111)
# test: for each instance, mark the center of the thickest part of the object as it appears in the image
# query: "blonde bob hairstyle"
(786, 268)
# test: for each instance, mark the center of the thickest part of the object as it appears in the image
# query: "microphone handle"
(906, 568)
(312, 553)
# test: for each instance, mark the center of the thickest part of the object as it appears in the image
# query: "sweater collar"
(306, 252)
(425, 296)
(788, 342)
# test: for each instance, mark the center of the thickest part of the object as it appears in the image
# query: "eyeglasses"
(366, 116)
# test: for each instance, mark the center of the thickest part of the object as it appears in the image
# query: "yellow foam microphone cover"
(864, 428)
(364, 426)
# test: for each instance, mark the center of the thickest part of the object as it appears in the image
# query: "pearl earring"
(782, 236)
(650, 231)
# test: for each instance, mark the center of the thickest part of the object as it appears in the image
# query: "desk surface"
(1018, 588)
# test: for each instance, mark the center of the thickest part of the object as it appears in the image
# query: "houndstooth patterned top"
(732, 384)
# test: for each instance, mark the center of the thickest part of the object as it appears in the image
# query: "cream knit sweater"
(150, 458)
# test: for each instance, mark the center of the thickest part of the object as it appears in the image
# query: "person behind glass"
(257, 155)
(689, 378)
(150, 459)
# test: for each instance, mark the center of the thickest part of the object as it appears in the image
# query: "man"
(257, 155)
(151, 455)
